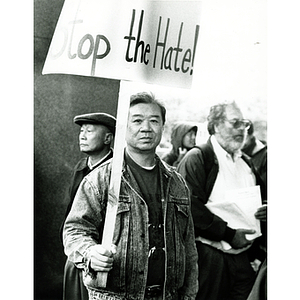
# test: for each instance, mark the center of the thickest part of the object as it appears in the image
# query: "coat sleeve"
(206, 224)
(81, 228)
(192, 269)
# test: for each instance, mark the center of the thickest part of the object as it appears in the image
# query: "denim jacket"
(84, 225)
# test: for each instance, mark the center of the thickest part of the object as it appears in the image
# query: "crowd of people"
(174, 235)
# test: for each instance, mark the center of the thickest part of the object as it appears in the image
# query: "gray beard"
(229, 144)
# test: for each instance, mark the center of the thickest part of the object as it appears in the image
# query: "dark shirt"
(150, 188)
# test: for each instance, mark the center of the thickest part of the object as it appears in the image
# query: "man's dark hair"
(145, 97)
(217, 115)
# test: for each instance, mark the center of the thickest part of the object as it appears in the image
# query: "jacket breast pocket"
(122, 219)
(181, 214)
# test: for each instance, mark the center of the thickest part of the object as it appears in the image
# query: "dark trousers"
(223, 276)
(73, 287)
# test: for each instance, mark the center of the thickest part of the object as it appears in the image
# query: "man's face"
(92, 138)
(145, 127)
(231, 139)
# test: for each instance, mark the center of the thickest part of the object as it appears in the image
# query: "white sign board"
(143, 41)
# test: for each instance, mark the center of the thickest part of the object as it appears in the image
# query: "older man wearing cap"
(95, 139)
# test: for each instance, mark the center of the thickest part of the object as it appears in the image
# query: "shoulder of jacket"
(81, 164)
(100, 171)
(171, 173)
(206, 147)
(247, 159)
(203, 151)
(259, 148)
(165, 166)
(201, 155)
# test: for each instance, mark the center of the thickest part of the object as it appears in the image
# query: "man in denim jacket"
(154, 254)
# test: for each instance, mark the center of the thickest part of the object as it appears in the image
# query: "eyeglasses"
(236, 123)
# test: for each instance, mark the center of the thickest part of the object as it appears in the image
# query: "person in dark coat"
(183, 138)
(257, 151)
(95, 139)
(211, 171)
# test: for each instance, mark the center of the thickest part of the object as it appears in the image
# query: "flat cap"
(97, 118)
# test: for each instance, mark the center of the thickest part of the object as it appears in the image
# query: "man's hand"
(239, 239)
(101, 258)
(261, 213)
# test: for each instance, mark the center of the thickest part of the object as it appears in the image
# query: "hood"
(178, 132)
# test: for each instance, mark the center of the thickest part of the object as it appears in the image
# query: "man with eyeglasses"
(211, 170)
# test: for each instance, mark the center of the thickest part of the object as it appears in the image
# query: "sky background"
(231, 60)
(230, 63)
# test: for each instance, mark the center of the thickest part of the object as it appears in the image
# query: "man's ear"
(216, 128)
(108, 138)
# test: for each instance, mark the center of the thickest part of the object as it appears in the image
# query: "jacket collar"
(209, 143)
(165, 168)
(83, 163)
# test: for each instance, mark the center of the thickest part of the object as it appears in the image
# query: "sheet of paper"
(248, 200)
(238, 210)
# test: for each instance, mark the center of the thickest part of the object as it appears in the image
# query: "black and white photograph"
(150, 165)
(150, 174)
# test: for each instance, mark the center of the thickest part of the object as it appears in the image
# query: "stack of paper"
(238, 211)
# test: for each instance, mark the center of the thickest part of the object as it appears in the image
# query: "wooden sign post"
(116, 174)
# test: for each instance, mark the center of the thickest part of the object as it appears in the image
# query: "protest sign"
(143, 41)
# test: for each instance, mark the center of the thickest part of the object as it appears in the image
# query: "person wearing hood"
(183, 138)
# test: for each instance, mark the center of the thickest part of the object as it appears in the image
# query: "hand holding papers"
(238, 211)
